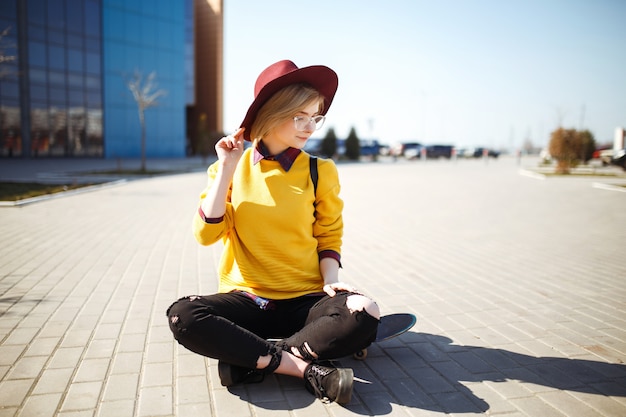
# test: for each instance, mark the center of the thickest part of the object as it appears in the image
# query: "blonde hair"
(283, 105)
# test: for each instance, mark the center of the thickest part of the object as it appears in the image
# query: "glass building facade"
(64, 72)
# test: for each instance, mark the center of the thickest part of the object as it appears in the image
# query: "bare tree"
(145, 93)
(4, 46)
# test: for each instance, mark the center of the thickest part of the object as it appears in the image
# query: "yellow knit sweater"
(272, 232)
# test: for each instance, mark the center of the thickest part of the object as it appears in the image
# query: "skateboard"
(390, 326)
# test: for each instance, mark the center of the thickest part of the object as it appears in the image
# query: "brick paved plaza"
(518, 283)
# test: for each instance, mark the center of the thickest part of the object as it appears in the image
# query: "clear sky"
(462, 72)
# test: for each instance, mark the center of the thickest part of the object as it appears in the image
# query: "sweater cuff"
(330, 254)
(209, 220)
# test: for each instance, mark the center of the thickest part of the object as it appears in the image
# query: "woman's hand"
(230, 148)
(331, 289)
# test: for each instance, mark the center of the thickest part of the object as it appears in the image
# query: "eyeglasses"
(303, 122)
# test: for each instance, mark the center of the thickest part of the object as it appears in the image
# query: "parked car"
(619, 159)
(439, 151)
(385, 149)
(480, 152)
(410, 150)
(461, 152)
(313, 146)
(604, 154)
(490, 152)
(369, 147)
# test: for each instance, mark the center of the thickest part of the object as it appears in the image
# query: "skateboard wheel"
(360, 355)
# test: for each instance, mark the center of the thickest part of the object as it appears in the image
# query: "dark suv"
(439, 151)
(619, 159)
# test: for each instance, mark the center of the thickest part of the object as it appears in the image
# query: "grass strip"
(15, 191)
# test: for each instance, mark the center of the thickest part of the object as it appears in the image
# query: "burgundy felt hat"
(284, 73)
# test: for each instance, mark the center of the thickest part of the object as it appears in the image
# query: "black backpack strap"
(313, 169)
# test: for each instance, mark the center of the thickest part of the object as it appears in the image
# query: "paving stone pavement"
(518, 285)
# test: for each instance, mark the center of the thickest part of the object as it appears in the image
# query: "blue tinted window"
(76, 97)
(75, 61)
(75, 41)
(92, 18)
(56, 55)
(134, 26)
(94, 98)
(7, 24)
(10, 89)
(56, 14)
(39, 115)
(63, 43)
(92, 83)
(92, 45)
(57, 96)
(75, 80)
(10, 69)
(7, 8)
(37, 54)
(37, 33)
(37, 11)
(75, 12)
(93, 63)
(38, 76)
(38, 92)
(56, 79)
(55, 36)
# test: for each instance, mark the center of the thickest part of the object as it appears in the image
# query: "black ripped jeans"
(234, 327)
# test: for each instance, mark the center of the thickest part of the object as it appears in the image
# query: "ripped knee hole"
(357, 302)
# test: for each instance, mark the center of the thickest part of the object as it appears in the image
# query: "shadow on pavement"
(434, 374)
(6, 303)
(578, 375)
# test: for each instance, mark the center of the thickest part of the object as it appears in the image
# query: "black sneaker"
(329, 383)
(232, 375)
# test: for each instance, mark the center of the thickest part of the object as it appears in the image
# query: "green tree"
(329, 144)
(353, 148)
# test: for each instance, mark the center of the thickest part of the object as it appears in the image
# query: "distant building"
(63, 85)
(618, 141)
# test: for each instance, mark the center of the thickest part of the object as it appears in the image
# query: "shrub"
(588, 144)
(569, 147)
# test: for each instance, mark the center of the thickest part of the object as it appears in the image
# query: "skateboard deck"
(393, 325)
(390, 326)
